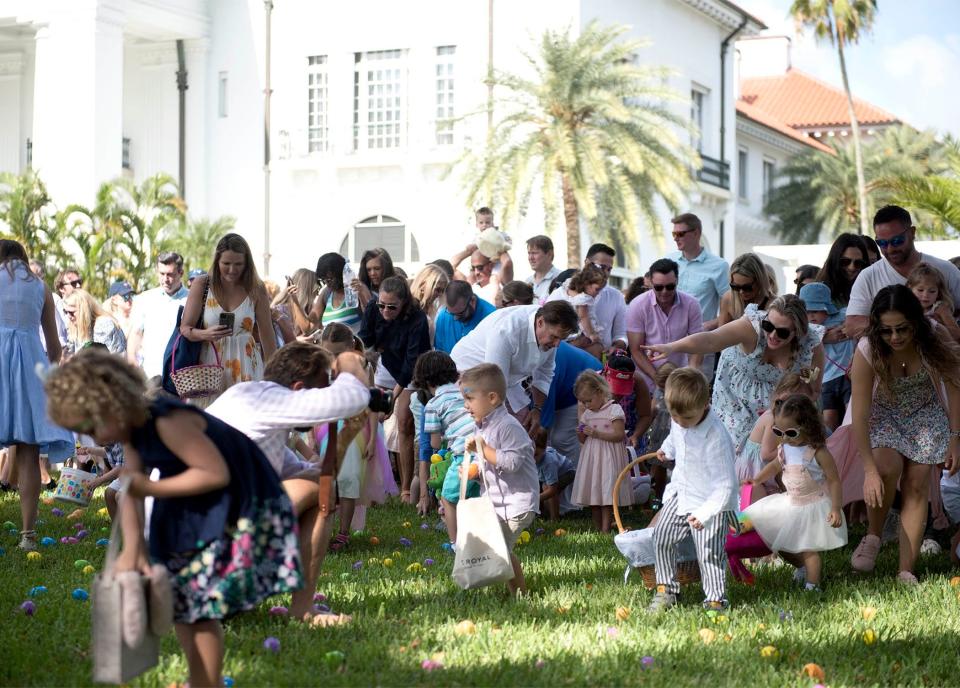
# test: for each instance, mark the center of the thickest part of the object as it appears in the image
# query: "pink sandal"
(340, 542)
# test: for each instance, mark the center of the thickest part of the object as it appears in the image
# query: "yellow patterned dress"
(239, 353)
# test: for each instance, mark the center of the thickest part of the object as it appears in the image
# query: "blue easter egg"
(447, 547)
(80, 595)
(103, 542)
(227, 682)
(47, 541)
(2, 551)
(37, 590)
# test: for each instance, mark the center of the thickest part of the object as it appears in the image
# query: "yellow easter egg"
(388, 562)
(465, 627)
(868, 613)
(559, 532)
(88, 569)
(406, 524)
(562, 610)
(436, 458)
(414, 567)
(955, 581)
(397, 554)
(623, 613)
(34, 556)
(524, 537)
(102, 512)
(768, 651)
(707, 635)
(373, 561)
(814, 671)
(869, 636)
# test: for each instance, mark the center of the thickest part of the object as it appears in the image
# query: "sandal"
(28, 541)
(907, 578)
(340, 542)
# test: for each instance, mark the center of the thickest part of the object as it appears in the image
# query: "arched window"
(384, 232)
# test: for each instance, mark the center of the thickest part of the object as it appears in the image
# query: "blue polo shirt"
(449, 330)
(706, 278)
(569, 363)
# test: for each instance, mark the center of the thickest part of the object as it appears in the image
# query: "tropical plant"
(815, 195)
(595, 129)
(842, 22)
(198, 240)
(936, 196)
(30, 216)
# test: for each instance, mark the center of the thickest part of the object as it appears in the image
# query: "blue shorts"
(451, 483)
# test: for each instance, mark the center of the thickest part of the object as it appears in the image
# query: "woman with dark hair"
(396, 327)
(375, 266)
(561, 278)
(873, 251)
(847, 257)
(233, 287)
(906, 419)
(516, 293)
(26, 309)
(331, 305)
(805, 275)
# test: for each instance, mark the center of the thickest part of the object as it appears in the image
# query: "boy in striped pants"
(701, 499)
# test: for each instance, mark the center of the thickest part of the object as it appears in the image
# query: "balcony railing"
(125, 160)
(714, 172)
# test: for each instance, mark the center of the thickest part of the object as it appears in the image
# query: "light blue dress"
(745, 383)
(23, 401)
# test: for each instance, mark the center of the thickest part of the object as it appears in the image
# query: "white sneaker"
(930, 546)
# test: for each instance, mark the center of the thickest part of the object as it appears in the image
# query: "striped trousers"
(671, 528)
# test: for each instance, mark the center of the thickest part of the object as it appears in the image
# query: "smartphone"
(227, 320)
(289, 280)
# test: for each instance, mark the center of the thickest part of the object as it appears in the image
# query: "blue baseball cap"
(120, 289)
(816, 297)
(195, 273)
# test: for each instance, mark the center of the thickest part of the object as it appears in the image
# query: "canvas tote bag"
(130, 614)
(482, 557)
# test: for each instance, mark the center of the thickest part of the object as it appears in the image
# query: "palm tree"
(197, 241)
(842, 22)
(817, 194)
(595, 129)
(30, 216)
(936, 196)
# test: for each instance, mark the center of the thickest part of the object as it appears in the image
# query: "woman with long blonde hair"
(749, 283)
(87, 321)
(296, 299)
(427, 289)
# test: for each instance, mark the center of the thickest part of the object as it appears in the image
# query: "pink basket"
(197, 381)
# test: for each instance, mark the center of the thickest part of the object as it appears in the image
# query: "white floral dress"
(745, 382)
(239, 352)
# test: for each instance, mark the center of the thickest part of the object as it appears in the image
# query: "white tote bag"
(482, 557)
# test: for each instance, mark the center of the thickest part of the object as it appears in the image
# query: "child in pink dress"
(604, 454)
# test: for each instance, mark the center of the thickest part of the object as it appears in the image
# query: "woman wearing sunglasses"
(756, 350)
(847, 257)
(749, 284)
(906, 419)
(396, 327)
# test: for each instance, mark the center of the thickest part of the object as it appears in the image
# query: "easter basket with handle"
(201, 380)
(637, 546)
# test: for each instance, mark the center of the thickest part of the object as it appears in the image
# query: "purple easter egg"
(319, 597)
(64, 541)
(82, 534)
(278, 611)
(646, 662)
(424, 526)
(321, 608)
(428, 562)
(271, 644)
(28, 608)
(357, 565)
(56, 512)
(72, 541)
(405, 542)
(78, 526)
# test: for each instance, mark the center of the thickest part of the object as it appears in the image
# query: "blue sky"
(909, 64)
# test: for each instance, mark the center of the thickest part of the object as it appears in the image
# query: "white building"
(362, 98)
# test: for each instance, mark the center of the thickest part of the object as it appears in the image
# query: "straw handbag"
(687, 571)
(201, 380)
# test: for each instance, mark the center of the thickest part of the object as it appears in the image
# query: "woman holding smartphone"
(236, 315)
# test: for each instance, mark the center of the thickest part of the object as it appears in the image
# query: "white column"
(197, 102)
(12, 142)
(78, 100)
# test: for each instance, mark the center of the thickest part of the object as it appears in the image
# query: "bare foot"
(325, 619)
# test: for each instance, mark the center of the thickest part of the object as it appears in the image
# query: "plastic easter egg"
(48, 501)
(424, 526)
(80, 563)
(80, 595)
(388, 562)
(103, 542)
(769, 652)
(436, 458)
(955, 581)
(407, 524)
(2, 551)
(103, 512)
(622, 613)
(540, 531)
(82, 534)
(396, 554)
(78, 526)
(707, 636)
(87, 570)
(228, 682)
(414, 567)
(447, 547)
(646, 662)
(64, 540)
(357, 534)
(271, 644)
(405, 542)
(72, 540)
(373, 561)
(278, 611)
(9, 525)
(334, 659)
(374, 540)
(37, 591)
(357, 565)
(428, 562)
(559, 532)
(319, 597)
(869, 636)
(28, 608)
(76, 513)
(47, 541)
(868, 613)
(34, 556)
(465, 627)
(524, 537)
(105, 530)
(321, 609)
(814, 671)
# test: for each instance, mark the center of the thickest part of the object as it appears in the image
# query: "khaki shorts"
(512, 527)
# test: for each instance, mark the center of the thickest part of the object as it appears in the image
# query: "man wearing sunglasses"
(702, 274)
(895, 237)
(662, 315)
(463, 312)
(609, 307)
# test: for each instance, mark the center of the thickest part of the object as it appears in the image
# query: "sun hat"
(816, 297)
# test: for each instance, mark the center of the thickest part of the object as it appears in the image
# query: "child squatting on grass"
(506, 453)
(701, 499)
(221, 523)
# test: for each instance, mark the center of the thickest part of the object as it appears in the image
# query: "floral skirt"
(257, 558)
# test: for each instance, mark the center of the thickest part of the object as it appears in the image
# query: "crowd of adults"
(690, 309)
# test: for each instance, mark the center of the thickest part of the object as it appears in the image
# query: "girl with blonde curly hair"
(220, 515)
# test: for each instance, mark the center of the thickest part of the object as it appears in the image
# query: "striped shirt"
(446, 414)
(351, 317)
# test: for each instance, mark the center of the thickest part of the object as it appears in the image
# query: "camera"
(380, 401)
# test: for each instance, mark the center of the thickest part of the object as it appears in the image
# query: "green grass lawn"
(564, 633)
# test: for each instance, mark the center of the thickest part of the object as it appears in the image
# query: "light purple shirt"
(513, 485)
(646, 317)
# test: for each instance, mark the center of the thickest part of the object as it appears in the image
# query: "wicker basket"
(197, 381)
(687, 571)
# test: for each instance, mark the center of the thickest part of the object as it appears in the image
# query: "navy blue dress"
(229, 549)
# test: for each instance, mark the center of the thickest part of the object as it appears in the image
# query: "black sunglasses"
(478, 268)
(782, 332)
(388, 306)
(791, 433)
(76, 284)
(668, 287)
(604, 268)
(845, 262)
(742, 287)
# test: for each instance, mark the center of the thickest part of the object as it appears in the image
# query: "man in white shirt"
(895, 238)
(540, 255)
(609, 306)
(294, 393)
(154, 316)
(522, 341)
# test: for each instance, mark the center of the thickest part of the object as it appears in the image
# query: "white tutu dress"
(796, 521)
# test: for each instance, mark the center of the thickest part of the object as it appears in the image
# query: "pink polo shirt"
(646, 317)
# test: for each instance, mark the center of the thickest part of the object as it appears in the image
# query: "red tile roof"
(804, 102)
(757, 115)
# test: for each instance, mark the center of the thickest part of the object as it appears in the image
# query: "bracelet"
(538, 409)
